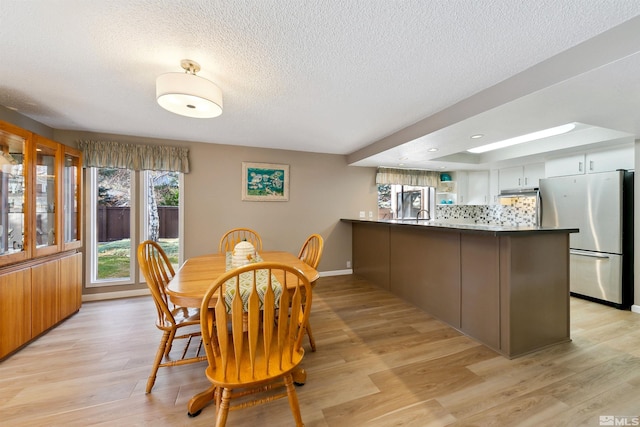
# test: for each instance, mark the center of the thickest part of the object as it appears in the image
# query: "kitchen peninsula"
(507, 287)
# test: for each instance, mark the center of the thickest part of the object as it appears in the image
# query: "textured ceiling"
(320, 76)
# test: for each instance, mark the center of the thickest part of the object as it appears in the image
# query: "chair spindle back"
(234, 236)
(263, 334)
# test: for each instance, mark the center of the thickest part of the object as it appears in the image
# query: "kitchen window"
(405, 201)
(404, 193)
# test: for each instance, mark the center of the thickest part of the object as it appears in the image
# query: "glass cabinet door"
(71, 187)
(45, 192)
(13, 199)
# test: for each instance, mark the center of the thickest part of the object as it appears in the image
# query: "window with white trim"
(119, 203)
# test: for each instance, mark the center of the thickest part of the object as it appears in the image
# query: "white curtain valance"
(417, 177)
(109, 154)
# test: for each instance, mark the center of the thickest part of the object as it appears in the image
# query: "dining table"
(193, 279)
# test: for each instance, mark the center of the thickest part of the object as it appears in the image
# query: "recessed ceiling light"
(432, 150)
(476, 136)
(558, 130)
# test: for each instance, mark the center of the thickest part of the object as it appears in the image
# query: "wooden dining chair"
(311, 253)
(311, 250)
(253, 354)
(236, 235)
(157, 270)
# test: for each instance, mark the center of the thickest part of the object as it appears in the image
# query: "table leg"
(199, 401)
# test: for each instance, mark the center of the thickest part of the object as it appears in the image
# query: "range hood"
(515, 192)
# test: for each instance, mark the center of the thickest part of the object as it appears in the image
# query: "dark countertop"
(483, 228)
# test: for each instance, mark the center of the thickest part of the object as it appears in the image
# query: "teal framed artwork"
(265, 182)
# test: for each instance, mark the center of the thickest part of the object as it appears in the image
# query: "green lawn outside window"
(113, 257)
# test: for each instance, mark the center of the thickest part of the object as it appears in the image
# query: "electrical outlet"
(370, 214)
(348, 264)
(362, 214)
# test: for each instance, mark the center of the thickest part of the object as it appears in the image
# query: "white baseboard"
(635, 308)
(336, 272)
(115, 295)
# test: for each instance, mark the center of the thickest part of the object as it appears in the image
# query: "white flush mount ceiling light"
(187, 94)
(558, 130)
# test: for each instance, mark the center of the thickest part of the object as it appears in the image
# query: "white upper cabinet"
(533, 173)
(463, 187)
(592, 162)
(510, 178)
(478, 188)
(518, 177)
(570, 165)
(610, 160)
(494, 186)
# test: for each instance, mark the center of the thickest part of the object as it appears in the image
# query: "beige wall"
(323, 189)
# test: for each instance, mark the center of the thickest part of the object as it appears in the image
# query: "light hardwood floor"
(380, 362)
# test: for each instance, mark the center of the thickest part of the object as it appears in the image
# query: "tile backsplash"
(521, 211)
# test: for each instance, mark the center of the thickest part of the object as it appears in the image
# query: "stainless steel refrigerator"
(600, 205)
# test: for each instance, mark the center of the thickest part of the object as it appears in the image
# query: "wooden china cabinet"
(40, 226)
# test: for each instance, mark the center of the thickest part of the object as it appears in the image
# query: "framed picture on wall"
(265, 182)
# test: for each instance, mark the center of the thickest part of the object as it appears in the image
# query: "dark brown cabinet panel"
(370, 245)
(509, 290)
(480, 297)
(420, 273)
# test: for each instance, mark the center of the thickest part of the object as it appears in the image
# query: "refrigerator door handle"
(589, 254)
